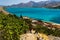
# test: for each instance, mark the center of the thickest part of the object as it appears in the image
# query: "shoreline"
(44, 23)
(2, 10)
(43, 20)
(52, 23)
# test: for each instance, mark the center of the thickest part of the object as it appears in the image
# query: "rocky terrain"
(30, 36)
(53, 37)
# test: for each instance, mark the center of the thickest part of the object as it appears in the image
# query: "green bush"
(12, 26)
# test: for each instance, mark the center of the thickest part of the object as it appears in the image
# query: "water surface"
(50, 15)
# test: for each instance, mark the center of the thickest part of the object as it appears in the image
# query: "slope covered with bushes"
(12, 26)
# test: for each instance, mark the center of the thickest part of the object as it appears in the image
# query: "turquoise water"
(50, 15)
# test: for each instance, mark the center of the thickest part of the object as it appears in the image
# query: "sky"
(10, 2)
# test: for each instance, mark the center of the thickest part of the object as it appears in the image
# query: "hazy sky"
(9, 2)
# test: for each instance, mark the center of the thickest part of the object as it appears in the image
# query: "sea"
(45, 14)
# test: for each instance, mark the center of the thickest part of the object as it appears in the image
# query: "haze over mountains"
(50, 3)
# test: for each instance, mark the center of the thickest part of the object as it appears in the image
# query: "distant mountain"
(38, 4)
(53, 0)
(53, 4)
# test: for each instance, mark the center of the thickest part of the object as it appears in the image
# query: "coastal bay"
(45, 14)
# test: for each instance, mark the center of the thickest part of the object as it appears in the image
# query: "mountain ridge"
(37, 4)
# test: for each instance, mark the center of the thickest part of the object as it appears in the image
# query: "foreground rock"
(31, 36)
(53, 37)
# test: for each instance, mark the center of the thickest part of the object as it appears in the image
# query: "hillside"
(11, 26)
